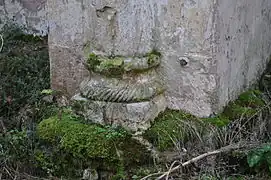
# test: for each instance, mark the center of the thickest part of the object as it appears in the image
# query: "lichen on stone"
(153, 58)
(118, 65)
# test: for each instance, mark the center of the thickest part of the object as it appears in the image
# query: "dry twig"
(2, 42)
(228, 148)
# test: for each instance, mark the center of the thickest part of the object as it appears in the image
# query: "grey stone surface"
(137, 88)
(90, 174)
(30, 14)
(243, 45)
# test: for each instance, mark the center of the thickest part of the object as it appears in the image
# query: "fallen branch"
(195, 159)
(170, 169)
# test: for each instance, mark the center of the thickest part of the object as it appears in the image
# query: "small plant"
(24, 71)
(16, 152)
(260, 157)
(47, 91)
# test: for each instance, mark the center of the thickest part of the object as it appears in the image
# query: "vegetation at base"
(260, 158)
(247, 105)
(103, 146)
(24, 72)
(173, 126)
(82, 140)
(178, 126)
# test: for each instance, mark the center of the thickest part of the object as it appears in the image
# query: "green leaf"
(254, 159)
(47, 91)
(266, 148)
(268, 160)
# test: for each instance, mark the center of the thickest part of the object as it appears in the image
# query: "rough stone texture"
(130, 99)
(139, 88)
(31, 14)
(135, 117)
(90, 174)
(243, 45)
(211, 49)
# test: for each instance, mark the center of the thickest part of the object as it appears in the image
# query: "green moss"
(81, 139)
(153, 58)
(111, 66)
(173, 126)
(91, 141)
(219, 121)
(155, 52)
(251, 98)
(234, 111)
(92, 61)
(246, 105)
(115, 66)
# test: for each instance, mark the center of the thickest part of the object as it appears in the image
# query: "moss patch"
(154, 58)
(246, 105)
(220, 120)
(111, 66)
(105, 145)
(92, 61)
(173, 126)
(116, 66)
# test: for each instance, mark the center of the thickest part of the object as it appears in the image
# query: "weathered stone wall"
(211, 49)
(31, 14)
(242, 45)
(179, 30)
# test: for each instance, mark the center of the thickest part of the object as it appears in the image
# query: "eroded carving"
(124, 91)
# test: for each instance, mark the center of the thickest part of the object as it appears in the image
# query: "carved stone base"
(135, 117)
